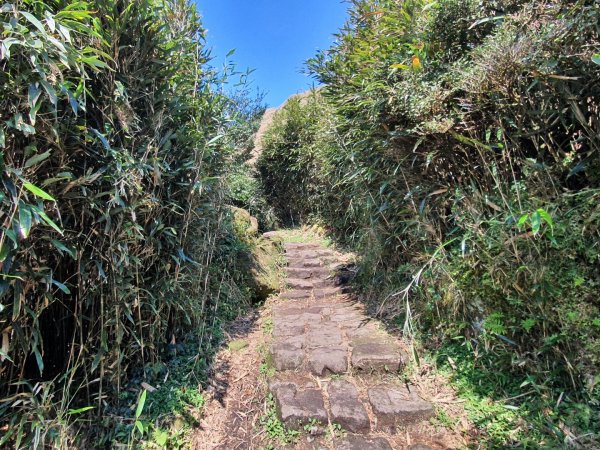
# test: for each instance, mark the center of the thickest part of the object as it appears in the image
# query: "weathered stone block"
(287, 355)
(395, 406)
(375, 354)
(325, 360)
(297, 405)
(362, 443)
(346, 408)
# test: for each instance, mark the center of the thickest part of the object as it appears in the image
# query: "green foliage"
(455, 147)
(115, 139)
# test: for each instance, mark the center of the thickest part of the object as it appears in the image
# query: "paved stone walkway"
(334, 365)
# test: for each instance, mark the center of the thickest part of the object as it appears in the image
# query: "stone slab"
(287, 329)
(298, 405)
(396, 406)
(346, 408)
(305, 273)
(322, 361)
(372, 354)
(352, 442)
(287, 355)
(297, 295)
(323, 334)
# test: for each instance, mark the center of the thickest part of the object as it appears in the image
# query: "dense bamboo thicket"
(115, 245)
(455, 145)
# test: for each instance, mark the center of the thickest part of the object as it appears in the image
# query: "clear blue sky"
(274, 37)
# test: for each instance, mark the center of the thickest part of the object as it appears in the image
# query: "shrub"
(114, 237)
(461, 162)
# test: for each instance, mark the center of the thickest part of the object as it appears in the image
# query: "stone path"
(335, 367)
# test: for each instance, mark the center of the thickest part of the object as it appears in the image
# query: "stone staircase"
(335, 366)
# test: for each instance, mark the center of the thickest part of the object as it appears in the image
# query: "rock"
(395, 406)
(294, 255)
(271, 235)
(244, 221)
(420, 447)
(323, 334)
(346, 408)
(300, 285)
(298, 405)
(362, 443)
(287, 329)
(375, 353)
(287, 355)
(306, 273)
(306, 263)
(296, 295)
(327, 292)
(324, 360)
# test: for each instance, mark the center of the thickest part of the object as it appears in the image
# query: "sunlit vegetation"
(118, 250)
(455, 145)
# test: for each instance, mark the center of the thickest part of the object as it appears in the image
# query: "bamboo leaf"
(34, 160)
(34, 21)
(61, 286)
(140, 405)
(38, 192)
(63, 248)
(46, 219)
(25, 220)
(80, 410)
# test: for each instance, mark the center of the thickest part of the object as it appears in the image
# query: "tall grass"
(113, 138)
(455, 145)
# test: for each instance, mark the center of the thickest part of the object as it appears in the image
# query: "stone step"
(302, 254)
(306, 273)
(301, 263)
(300, 400)
(308, 284)
(315, 293)
(353, 442)
(397, 406)
(301, 246)
(329, 357)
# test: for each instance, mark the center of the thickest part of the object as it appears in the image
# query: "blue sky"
(274, 37)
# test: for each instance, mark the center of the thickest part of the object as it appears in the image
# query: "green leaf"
(46, 219)
(61, 286)
(2, 138)
(547, 218)
(140, 426)
(37, 159)
(35, 22)
(536, 222)
(80, 410)
(4, 252)
(38, 192)
(50, 91)
(39, 359)
(140, 405)
(399, 66)
(25, 220)
(523, 219)
(161, 437)
(63, 248)
(596, 58)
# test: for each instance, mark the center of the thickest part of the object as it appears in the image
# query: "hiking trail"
(333, 373)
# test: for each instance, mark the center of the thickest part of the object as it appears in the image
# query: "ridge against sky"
(274, 37)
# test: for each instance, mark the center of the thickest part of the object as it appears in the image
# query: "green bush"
(456, 149)
(114, 238)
